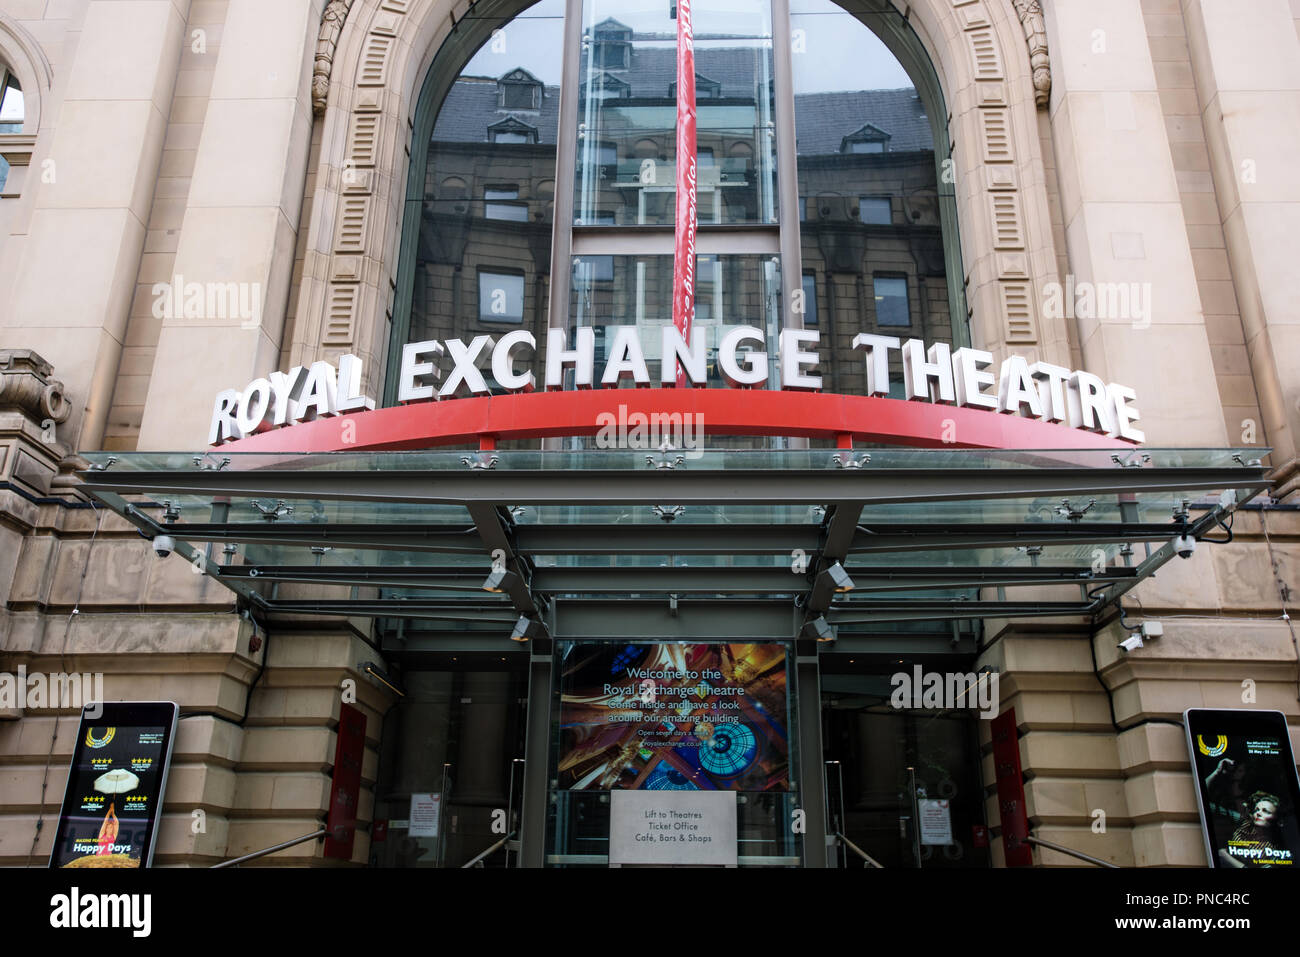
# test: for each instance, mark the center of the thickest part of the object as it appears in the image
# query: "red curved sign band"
(764, 412)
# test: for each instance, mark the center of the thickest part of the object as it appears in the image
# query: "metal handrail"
(1072, 853)
(323, 832)
(495, 847)
(859, 851)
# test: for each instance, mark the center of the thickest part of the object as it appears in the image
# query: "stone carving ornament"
(1031, 20)
(331, 26)
(26, 385)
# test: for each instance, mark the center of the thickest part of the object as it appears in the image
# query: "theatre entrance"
(903, 787)
(523, 609)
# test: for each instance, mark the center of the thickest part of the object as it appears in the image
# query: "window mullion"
(566, 161)
(787, 168)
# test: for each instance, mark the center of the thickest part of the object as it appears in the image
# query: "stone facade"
(266, 145)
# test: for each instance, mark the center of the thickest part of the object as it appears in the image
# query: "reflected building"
(872, 250)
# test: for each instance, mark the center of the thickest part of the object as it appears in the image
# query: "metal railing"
(491, 850)
(1072, 853)
(870, 861)
(323, 832)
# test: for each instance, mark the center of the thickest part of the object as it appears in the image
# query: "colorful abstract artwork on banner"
(674, 717)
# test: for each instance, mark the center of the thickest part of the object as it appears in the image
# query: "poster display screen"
(1247, 788)
(115, 785)
(667, 716)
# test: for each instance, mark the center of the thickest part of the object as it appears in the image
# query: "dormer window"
(519, 90)
(865, 139)
(612, 46)
(512, 130)
(705, 88)
(606, 86)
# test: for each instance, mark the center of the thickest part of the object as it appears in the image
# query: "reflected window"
(891, 301)
(482, 230)
(809, 299)
(876, 210)
(500, 296)
(512, 130)
(865, 145)
(520, 90)
(499, 203)
(636, 40)
(866, 115)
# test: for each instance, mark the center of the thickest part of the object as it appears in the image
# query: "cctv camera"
(163, 545)
(1184, 545)
(1131, 643)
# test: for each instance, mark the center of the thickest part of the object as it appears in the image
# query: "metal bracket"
(1070, 512)
(105, 465)
(1252, 464)
(668, 512)
(849, 461)
(664, 462)
(199, 463)
(481, 464)
(1126, 462)
(274, 512)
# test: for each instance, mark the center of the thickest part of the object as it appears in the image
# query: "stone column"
(1124, 221)
(70, 290)
(1246, 61)
(236, 248)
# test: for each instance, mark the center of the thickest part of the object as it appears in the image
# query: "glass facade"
(871, 226)
(627, 111)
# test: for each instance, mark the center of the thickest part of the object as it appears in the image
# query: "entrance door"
(902, 784)
(673, 753)
(454, 744)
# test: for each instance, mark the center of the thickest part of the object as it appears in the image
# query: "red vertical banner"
(345, 789)
(1011, 790)
(686, 220)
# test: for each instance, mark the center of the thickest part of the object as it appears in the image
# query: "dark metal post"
(812, 783)
(532, 832)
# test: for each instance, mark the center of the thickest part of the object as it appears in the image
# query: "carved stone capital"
(331, 27)
(27, 385)
(1030, 13)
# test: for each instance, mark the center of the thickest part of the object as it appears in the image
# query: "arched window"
(12, 114)
(849, 227)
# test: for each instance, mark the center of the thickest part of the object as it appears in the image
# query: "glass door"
(902, 783)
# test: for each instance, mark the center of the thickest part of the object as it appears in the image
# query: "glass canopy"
(844, 539)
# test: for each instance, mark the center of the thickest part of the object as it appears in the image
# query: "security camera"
(1184, 545)
(163, 545)
(1131, 643)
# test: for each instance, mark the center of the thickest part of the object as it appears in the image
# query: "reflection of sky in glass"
(11, 110)
(534, 40)
(839, 52)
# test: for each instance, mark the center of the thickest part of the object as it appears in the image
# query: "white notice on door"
(673, 827)
(424, 815)
(936, 822)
